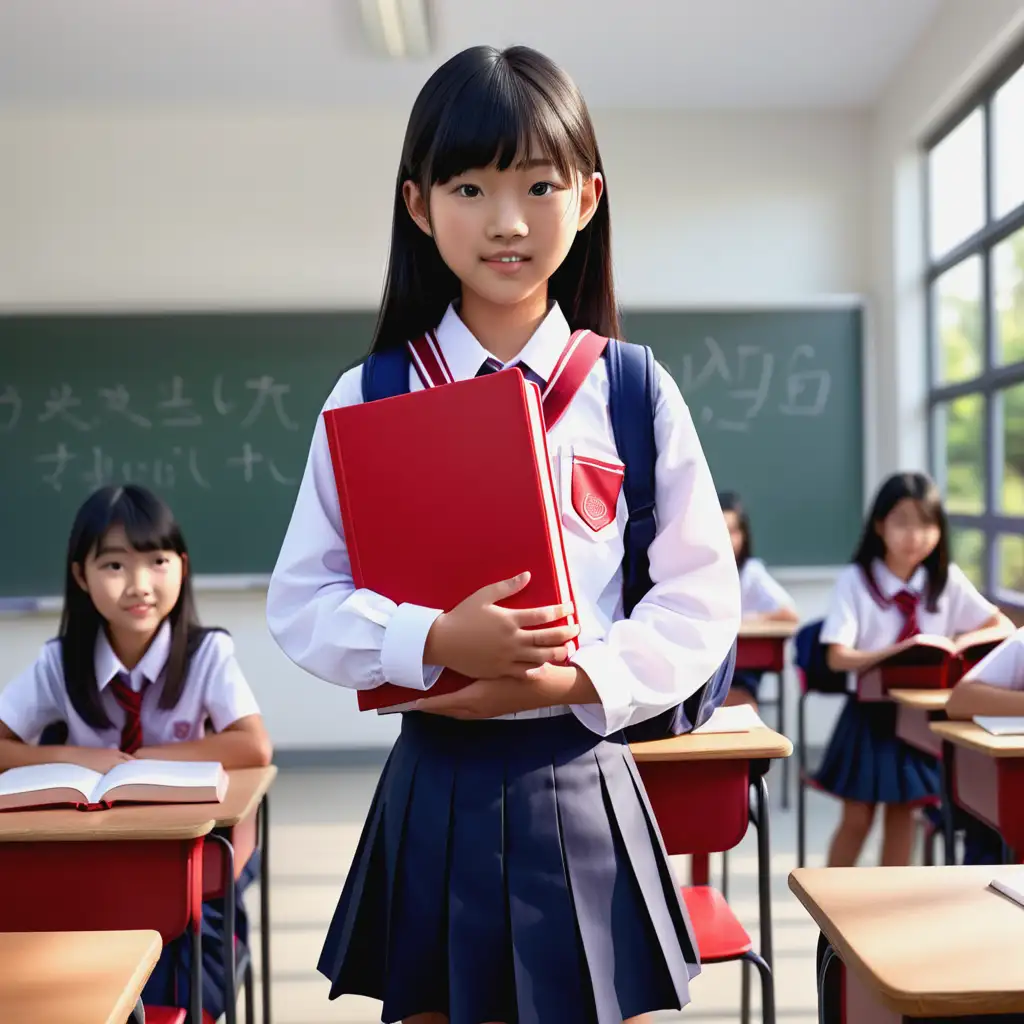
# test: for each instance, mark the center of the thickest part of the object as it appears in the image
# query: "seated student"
(133, 675)
(761, 597)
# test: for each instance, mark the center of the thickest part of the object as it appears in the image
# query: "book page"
(35, 778)
(171, 774)
(737, 718)
(982, 638)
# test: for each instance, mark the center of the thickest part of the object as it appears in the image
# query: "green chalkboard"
(776, 398)
(215, 411)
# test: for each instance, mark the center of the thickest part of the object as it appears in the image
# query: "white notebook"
(1001, 725)
(156, 782)
(737, 718)
(1011, 884)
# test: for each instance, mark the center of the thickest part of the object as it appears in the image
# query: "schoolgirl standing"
(510, 868)
(901, 583)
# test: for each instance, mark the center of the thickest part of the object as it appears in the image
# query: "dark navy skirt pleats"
(866, 761)
(511, 871)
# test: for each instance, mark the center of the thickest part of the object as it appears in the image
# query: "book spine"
(345, 507)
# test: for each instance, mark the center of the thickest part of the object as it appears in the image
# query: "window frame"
(993, 378)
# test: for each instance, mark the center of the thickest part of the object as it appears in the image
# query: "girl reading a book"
(510, 868)
(133, 675)
(901, 584)
(762, 599)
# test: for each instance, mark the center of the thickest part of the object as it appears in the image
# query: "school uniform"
(512, 869)
(864, 760)
(215, 691)
(760, 594)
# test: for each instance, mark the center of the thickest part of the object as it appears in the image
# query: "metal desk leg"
(801, 775)
(829, 983)
(230, 971)
(138, 1014)
(265, 906)
(946, 795)
(781, 676)
(764, 871)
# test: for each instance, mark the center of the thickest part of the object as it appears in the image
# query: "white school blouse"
(855, 619)
(760, 594)
(215, 689)
(676, 637)
(1003, 667)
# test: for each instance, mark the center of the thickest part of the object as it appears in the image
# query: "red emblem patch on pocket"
(595, 491)
(182, 730)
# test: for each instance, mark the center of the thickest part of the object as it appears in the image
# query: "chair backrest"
(812, 662)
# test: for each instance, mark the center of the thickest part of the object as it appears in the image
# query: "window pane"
(956, 184)
(1010, 435)
(1008, 285)
(958, 323)
(959, 434)
(967, 549)
(1008, 145)
(1011, 563)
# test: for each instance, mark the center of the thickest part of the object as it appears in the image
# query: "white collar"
(890, 584)
(465, 355)
(108, 665)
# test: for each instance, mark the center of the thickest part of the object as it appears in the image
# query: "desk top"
(74, 977)
(928, 941)
(926, 700)
(716, 746)
(246, 789)
(973, 737)
(767, 630)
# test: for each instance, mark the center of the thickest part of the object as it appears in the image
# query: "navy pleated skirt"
(866, 761)
(510, 871)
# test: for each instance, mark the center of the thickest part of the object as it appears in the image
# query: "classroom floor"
(315, 820)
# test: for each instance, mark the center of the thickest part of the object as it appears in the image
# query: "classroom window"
(974, 172)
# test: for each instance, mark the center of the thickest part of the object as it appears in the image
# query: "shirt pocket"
(591, 491)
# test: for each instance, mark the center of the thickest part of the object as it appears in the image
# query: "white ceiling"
(623, 53)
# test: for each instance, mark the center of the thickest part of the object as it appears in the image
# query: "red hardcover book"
(926, 662)
(444, 491)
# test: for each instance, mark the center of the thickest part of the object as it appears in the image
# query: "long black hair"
(731, 502)
(150, 526)
(487, 106)
(920, 488)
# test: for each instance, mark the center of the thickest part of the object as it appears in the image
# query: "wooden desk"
(920, 942)
(917, 710)
(699, 788)
(986, 776)
(761, 646)
(74, 977)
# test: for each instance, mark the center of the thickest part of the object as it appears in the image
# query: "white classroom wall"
(122, 209)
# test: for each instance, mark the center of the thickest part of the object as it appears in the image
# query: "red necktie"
(131, 703)
(907, 604)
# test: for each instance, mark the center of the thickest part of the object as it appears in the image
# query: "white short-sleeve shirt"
(856, 619)
(760, 594)
(1003, 667)
(214, 689)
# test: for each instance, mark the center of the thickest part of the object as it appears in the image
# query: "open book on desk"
(927, 662)
(1001, 725)
(147, 782)
(735, 718)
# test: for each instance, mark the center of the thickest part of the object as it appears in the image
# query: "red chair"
(703, 807)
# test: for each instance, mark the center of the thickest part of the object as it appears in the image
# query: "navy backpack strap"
(632, 398)
(632, 401)
(386, 374)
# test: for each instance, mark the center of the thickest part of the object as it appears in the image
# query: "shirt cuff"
(610, 676)
(405, 639)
